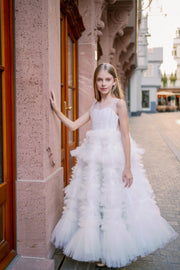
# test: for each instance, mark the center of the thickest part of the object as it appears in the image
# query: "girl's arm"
(71, 125)
(124, 127)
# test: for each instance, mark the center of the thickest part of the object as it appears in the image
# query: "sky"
(163, 21)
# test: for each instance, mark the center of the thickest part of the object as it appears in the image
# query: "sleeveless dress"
(101, 218)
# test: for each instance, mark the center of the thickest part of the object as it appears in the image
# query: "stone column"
(39, 182)
(90, 10)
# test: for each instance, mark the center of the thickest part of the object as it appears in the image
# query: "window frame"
(145, 108)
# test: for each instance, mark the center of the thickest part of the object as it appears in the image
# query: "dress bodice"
(105, 118)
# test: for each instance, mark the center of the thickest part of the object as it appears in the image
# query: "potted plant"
(173, 78)
(164, 79)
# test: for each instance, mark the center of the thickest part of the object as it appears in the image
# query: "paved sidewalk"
(159, 135)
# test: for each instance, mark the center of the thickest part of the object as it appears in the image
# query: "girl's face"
(104, 82)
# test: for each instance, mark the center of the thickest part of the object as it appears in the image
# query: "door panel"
(1, 223)
(69, 104)
(1, 133)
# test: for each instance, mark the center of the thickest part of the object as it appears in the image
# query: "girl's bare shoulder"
(121, 104)
(93, 105)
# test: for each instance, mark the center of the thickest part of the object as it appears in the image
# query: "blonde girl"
(110, 216)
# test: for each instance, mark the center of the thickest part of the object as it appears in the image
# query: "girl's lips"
(103, 88)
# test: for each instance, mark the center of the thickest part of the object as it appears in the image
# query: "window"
(71, 29)
(145, 99)
(150, 71)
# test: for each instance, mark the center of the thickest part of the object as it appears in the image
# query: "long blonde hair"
(116, 90)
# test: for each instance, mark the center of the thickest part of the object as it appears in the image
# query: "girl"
(110, 213)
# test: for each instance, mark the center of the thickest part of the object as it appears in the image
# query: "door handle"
(67, 108)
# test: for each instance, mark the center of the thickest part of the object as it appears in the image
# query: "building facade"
(50, 44)
(134, 93)
(176, 56)
(151, 80)
(168, 95)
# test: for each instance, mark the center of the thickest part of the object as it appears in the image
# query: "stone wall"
(39, 173)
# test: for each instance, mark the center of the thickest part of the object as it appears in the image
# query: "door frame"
(8, 245)
(73, 24)
(66, 148)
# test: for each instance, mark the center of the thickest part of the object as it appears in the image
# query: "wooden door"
(69, 94)
(7, 136)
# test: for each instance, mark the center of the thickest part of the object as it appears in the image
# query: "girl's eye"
(100, 79)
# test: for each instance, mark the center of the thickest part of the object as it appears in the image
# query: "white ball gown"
(101, 218)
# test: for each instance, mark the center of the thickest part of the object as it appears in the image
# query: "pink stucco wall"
(39, 184)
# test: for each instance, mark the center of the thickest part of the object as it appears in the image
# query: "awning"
(163, 93)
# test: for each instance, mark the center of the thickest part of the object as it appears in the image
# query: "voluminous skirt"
(103, 219)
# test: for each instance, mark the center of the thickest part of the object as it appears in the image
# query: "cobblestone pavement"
(159, 135)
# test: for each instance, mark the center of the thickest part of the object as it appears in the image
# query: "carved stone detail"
(99, 24)
(129, 50)
(121, 43)
(125, 57)
(117, 21)
(130, 71)
(127, 65)
(115, 17)
(116, 44)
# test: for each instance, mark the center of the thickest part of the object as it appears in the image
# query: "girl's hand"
(53, 99)
(127, 177)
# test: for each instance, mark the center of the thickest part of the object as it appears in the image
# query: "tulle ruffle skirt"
(103, 219)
